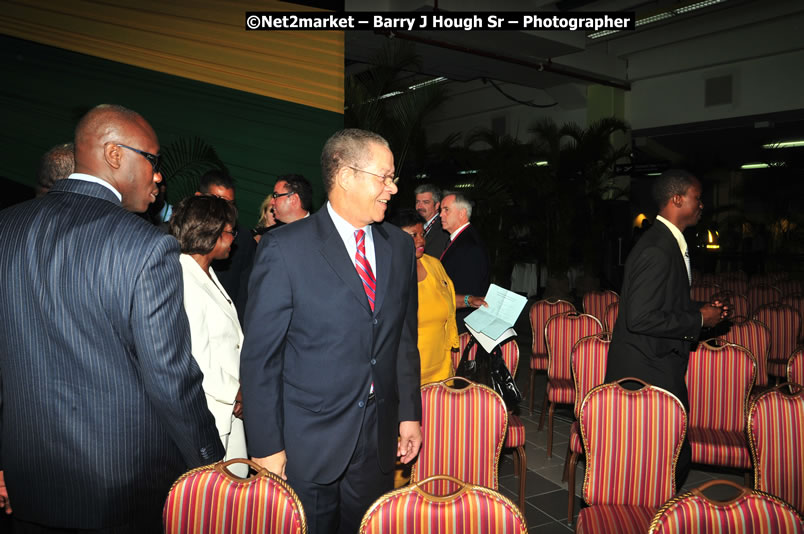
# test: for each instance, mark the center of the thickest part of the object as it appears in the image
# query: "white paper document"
(494, 324)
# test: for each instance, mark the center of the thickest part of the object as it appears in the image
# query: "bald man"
(102, 401)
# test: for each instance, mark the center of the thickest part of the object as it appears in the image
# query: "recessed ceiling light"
(660, 16)
(784, 144)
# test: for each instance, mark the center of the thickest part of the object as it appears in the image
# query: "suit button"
(373, 361)
(361, 404)
(237, 346)
(375, 321)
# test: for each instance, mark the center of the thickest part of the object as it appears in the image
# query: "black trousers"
(338, 507)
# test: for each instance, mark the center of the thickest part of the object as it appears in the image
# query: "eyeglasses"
(276, 195)
(394, 179)
(233, 232)
(153, 159)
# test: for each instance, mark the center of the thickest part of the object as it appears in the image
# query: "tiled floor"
(546, 494)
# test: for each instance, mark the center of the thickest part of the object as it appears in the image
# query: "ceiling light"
(467, 172)
(661, 16)
(537, 164)
(784, 144)
(754, 166)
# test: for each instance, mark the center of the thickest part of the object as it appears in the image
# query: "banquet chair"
(789, 287)
(539, 313)
(470, 509)
(775, 430)
(632, 441)
(611, 316)
(595, 303)
(784, 323)
(751, 511)
(795, 367)
(719, 381)
(762, 295)
(703, 292)
(796, 301)
(212, 500)
(560, 334)
(463, 430)
(735, 285)
(754, 336)
(515, 437)
(589, 357)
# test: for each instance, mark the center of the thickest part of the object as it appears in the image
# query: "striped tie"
(364, 268)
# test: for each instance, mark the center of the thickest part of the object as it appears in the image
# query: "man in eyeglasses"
(293, 196)
(102, 405)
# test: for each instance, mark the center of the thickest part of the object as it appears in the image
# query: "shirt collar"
(344, 228)
(454, 234)
(95, 180)
(682, 243)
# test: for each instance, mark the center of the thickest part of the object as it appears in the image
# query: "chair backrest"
(632, 440)
(589, 358)
(611, 316)
(703, 292)
(560, 334)
(735, 285)
(596, 302)
(471, 509)
(796, 301)
(775, 430)
(754, 336)
(719, 380)
(462, 433)
(761, 295)
(751, 511)
(789, 287)
(510, 353)
(211, 500)
(795, 367)
(540, 312)
(784, 323)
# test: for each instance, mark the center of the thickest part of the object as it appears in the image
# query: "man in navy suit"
(329, 367)
(102, 406)
(657, 324)
(465, 258)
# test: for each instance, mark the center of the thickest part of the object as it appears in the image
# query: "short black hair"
(298, 184)
(199, 220)
(215, 177)
(56, 164)
(407, 217)
(346, 148)
(670, 183)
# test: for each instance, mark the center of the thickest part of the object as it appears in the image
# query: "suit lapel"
(335, 254)
(382, 257)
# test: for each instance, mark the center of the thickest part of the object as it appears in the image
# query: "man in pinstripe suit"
(102, 406)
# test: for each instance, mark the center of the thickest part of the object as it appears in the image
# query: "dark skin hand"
(714, 312)
(238, 405)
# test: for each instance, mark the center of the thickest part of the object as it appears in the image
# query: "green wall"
(47, 89)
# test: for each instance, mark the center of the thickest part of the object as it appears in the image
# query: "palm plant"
(184, 161)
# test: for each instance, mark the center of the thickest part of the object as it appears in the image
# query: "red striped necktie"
(364, 268)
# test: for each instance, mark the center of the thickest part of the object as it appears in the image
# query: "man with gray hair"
(428, 204)
(465, 258)
(56, 164)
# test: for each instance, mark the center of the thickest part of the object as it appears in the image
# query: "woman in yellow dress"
(438, 333)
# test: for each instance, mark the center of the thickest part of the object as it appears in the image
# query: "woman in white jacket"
(204, 227)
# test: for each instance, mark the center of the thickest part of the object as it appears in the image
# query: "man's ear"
(345, 178)
(678, 200)
(113, 155)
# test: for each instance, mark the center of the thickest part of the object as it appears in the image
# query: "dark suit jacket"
(657, 322)
(467, 264)
(313, 347)
(102, 406)
(436, 239)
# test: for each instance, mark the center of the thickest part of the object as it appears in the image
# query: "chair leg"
(541, 415)
(532, 393)
(516, 462)
(573, 462)
(522, 473)
(550, 429)
(566, 463)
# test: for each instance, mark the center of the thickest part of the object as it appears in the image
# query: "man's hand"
(238, 405)
(275, 463)
(4, 502)
(711, 315)
(410, 441)
(725, 308)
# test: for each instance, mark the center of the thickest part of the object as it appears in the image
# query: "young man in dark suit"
(658, 324)
(330, 368)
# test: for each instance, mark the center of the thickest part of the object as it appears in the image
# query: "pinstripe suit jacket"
(102, 406)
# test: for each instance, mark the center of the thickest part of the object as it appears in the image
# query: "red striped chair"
(750, 512)
(611, 316)
(719, 380)
(471, 509)
(735, 285)
(754, 336)
(738, 301)
(632, 441)
(560, 334)
(762, 295)
(462, 434)
(784, 324)
(589, 357)
(795, 367)
(211, 500)
(703, 292)
(539, 313)
(595, 303)
(796, 301)
(515, 437)
(775, 430)
(790, 287)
